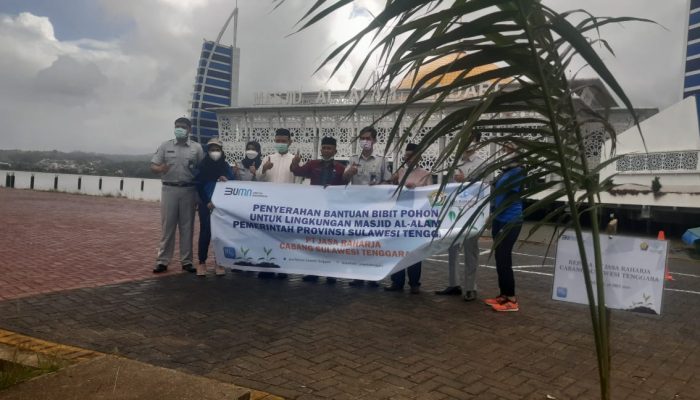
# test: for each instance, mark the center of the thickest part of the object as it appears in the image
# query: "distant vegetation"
(77, 162)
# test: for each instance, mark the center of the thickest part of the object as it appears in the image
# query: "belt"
(178, 184)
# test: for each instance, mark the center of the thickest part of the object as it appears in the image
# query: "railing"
(110, 186)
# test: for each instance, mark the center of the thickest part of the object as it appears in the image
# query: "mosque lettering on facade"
(328, 97)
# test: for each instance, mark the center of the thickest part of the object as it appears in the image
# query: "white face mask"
(251, 154)
(215, 155)
(366, 144)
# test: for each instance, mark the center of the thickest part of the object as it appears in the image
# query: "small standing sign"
(633, 271)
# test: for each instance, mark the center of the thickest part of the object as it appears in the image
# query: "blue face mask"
(180, 133)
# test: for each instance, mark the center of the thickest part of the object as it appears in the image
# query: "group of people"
(189, 176)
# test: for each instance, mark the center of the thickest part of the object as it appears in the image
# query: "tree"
(529, 95)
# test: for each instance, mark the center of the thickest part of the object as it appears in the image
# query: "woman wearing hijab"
(251, 161)
(213, 168)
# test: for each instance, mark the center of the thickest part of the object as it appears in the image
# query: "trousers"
(176, 213)
(470, 248)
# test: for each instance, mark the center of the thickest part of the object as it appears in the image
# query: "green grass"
(13, 372)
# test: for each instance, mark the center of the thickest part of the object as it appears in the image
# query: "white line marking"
(682, 291)
(533, 266)
(681, 274)
(533, 255)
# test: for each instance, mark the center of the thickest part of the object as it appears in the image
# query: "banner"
(633, 271)
(355, 232)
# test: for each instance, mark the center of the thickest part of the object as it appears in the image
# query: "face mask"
(180, 133)
(251, 154)
(366, 144)
(215, 155)
(281, 147)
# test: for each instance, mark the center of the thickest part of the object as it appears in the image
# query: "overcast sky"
(111, 75)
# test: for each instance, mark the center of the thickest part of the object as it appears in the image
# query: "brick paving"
(313, 341)
(55, 241)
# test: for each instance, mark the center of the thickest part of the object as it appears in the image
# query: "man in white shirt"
(467, 171)
(275, 167)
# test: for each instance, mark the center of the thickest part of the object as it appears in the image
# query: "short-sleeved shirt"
(182, 158)
(371, 170)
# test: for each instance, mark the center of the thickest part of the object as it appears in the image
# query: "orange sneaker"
(496, 300)
(508, 306)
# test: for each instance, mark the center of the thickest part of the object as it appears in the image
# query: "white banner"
(356, 232)
(633, 271)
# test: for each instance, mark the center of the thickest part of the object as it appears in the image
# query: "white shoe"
(220, 271)
(201, 269)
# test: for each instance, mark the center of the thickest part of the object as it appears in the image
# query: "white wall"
(89, 184)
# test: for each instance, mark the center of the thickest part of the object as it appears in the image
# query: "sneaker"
(219, 270)
(470, 295)
(496, 300)
(201, 269)
(508, 306)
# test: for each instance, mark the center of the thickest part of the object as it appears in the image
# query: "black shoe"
(393, 288)
(266, 275)
(282, 276)
(160, 268)
(415, 289)
(450, 291)
(189, 268)
(331, 281)
(470, 295)
(373, 284)
(356, 283)
(310, 278)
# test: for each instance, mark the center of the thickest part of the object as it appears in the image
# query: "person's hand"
(210, 206)
(235, 169)
(459, 176)
(351, 170)
(252, 169)
(162, 168)
(410, 185)
(223, 178)
(268, 164)
(296, 159)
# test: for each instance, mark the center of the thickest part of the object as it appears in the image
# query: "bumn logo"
(230, 252)
(562, 292)
(238, 192)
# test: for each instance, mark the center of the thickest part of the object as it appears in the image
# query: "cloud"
(122, 94)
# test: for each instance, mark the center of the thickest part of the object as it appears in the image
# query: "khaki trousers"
(176, 211)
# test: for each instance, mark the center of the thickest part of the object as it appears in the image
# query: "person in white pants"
(467, 171)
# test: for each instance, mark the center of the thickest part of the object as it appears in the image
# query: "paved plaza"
(77, 270)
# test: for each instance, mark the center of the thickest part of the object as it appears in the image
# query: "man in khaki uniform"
(175, 162)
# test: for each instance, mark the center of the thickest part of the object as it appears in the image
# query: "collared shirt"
(471, 168)
(321, 173)
(371, 170)
(181, 158)
(417, 177)
(279, 173)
